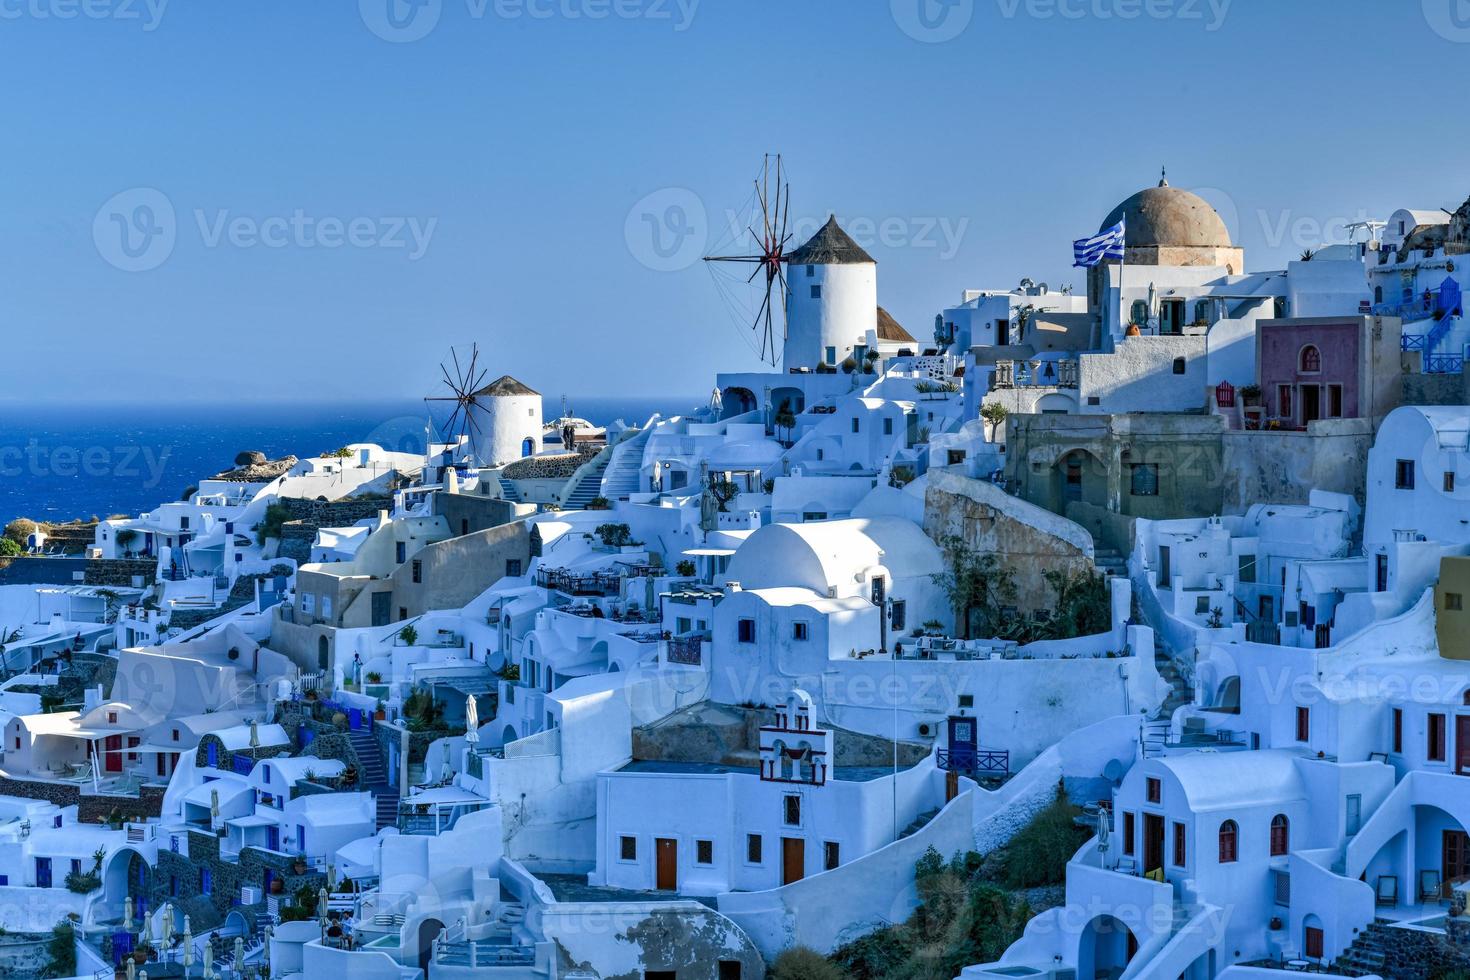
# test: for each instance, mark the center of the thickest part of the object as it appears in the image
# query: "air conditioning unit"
(249, 894)
(928, 729)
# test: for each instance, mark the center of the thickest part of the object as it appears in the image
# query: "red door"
(1462, 744)
(113, 761)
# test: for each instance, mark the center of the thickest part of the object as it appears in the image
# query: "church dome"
(1169, 217)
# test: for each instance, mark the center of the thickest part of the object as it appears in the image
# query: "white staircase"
(623, 475)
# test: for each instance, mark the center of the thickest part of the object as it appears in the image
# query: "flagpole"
(1122, 264)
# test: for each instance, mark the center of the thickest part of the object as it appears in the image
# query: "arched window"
(1228, 834)
(1311, 359)
(1280, 835)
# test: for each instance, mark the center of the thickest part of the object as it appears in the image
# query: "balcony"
(1035, 374)
(583, 584)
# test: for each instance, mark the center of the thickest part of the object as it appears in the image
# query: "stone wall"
(24, 954)
(90, 808)
(730, 735)
(177, 877)
(1436, 389)
(1029, 540)
(120, 571)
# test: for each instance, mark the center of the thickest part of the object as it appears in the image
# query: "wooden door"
(1153, 841)
(1455, 857)
(666, 859)
(793, 859)
(1462, 744)
(114, 753)
(1311, 403)
(1164, 576)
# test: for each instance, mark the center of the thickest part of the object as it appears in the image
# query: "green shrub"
(9, 549)
(62, 949)
(1039, 853)
(19, 529)
(270, 525)
(802, 963)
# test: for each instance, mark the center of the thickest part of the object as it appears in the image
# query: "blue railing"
(976, 760)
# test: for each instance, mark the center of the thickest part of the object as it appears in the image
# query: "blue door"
(43, 872)
(273, 838)
(213, 753)
(354, 718)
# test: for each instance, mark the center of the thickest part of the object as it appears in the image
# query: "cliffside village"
(1184, 552)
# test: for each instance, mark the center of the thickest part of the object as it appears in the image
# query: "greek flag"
(1106, 244)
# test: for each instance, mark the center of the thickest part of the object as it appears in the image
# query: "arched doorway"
(737, 401)
(1080, 477)
(429, 930)
(509, 735)
(127, 875)
(1107, 946)
(528, 446)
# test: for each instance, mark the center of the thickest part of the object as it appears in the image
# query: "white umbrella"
(188, 945)
(166, 928)
(1102, 831)
(716, 400)
(331, 877)
(208, 958)
(145, 935)
(127, 913)
(213, 806)
(471, 719)
(132, 968)
(239, 955)
(254, 736)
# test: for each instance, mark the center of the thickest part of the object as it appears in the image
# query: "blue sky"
(316, 205)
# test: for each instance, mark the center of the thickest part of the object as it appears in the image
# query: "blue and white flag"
(1106, 244)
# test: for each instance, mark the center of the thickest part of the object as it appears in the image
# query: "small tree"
(409, 634)
(599, 503)
(724, 491)
(615, 535)
(785, 419)
(62, 950)
(993, 413)
(684, 567)
(20, 529)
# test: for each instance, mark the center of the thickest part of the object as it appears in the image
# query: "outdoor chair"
(1386, 891)
(1429, 888)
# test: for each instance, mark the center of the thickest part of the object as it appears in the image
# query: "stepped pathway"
(373, 776)
(508, 491)
(624, 474)
(1110, 562)
(589, 487)
(1386, 950)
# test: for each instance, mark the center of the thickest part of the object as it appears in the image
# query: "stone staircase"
(1180, 692)
(1110, 562)
(624, 473)
(508, 491)
(589, 486)
(373, 776)
(1403, 954)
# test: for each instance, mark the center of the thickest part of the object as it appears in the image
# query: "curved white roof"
(1236, 779)
(819, 554)
(238, 736)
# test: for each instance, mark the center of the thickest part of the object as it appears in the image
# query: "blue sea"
(60, 463)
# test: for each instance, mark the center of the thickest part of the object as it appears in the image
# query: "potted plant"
(374, 677)
(380, 710)
(1250, 394)
(298, 866)
(276, 886)
(408, 635)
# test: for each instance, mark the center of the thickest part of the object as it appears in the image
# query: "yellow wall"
(1453, 626)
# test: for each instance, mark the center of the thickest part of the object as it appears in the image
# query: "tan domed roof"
(1169, 216)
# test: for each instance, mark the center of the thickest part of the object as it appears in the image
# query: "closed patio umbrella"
(471, 719)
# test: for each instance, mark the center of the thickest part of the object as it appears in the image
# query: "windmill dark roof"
(890, 329)
(830, 246)
(504, 385)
